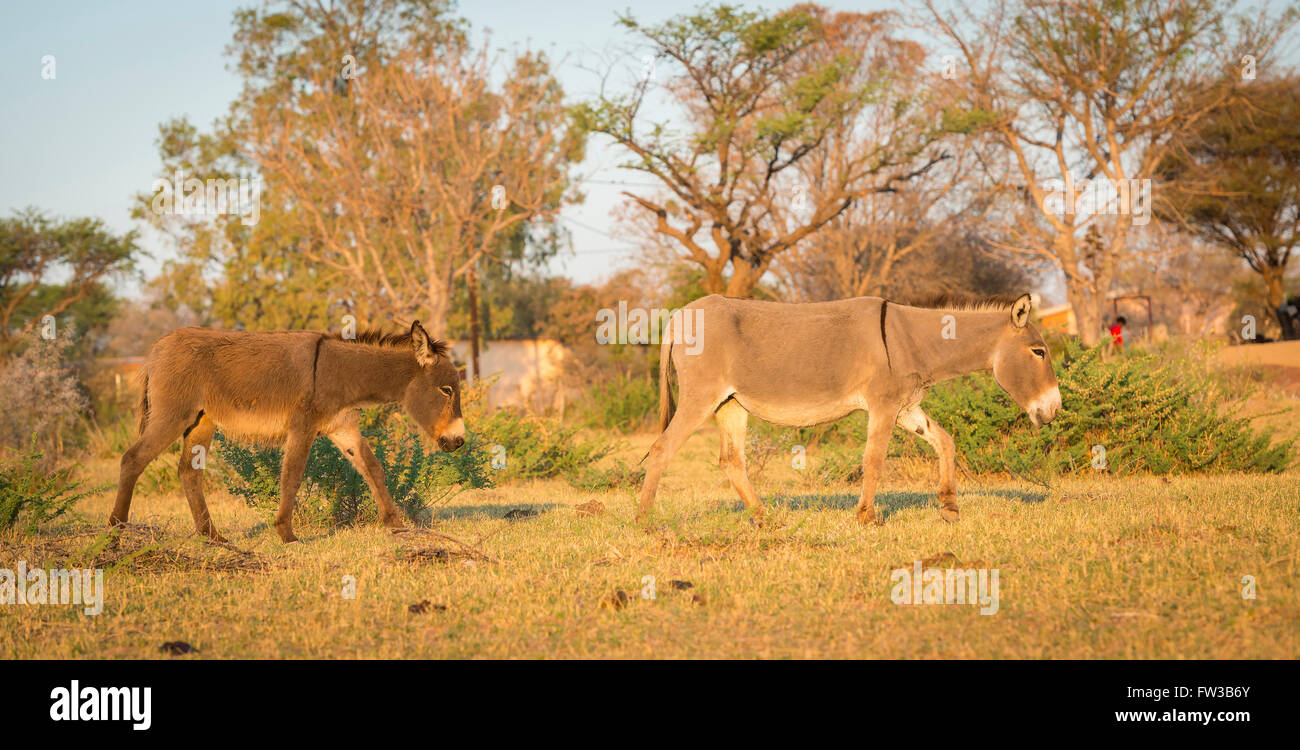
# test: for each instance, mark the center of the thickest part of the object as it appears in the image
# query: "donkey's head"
(433, 396)
(1023, 366)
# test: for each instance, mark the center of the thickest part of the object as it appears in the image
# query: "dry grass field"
(1093, 567)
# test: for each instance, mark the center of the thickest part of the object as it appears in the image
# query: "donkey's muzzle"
(1045, 408)
(449, 444)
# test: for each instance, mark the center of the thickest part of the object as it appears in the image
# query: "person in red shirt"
(1117, 333)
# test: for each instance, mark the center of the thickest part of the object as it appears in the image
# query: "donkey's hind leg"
(296, 447)
(732, 419)
(159, 432)
(880, 424)
(691, 413)
(916, 420)
(193, 464)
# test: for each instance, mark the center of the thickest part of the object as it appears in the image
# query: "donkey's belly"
(257, 426)
(800, 414)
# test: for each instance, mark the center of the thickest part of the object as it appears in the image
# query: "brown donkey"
(286, 387)
(807, 364)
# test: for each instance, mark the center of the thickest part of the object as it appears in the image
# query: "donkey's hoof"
(949, 514)
(868, 517)
(216, 538)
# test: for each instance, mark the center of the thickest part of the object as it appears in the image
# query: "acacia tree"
(1235, 181)
(1088, 90)
(756, 95)
(48, 266)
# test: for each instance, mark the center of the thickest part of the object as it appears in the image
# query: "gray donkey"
(286, 388)
(807, 364)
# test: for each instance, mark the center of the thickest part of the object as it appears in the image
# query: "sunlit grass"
(1092, 568)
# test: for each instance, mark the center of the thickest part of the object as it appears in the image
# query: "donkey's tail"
(666, 405)
(142, 407)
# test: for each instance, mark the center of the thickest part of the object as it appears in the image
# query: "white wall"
(529, 372)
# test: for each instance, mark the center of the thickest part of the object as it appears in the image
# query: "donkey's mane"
(957, 301)
(389, 340)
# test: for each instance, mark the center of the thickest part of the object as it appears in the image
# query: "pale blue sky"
(82, 144)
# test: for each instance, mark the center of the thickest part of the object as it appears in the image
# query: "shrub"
(40, 396)
(626, 404)
(534, 448)
(36, 495)
(1148, 415)
(1156, 412)
(334, 493)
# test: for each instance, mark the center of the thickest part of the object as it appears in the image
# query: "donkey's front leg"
(350, 441)
(880, 424)
(296, 449)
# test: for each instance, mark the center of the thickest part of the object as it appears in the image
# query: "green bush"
(625, 404)
(525, 447)
(334, 493)
(1151, 413)
(30, 495)
(501, 445)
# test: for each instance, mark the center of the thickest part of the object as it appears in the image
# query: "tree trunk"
(1275, 295)
(714, 282)
(1087, 312)
(742, 281)
(471, 282)
(436, 325)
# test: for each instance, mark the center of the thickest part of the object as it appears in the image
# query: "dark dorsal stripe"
(884, 306)
(315, 358)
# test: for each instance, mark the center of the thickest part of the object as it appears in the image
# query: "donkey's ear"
(426, 349)
(1020, 311)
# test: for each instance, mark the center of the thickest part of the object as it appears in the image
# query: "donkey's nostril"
(449, 444)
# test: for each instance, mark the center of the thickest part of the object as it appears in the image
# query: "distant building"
(529, 372)
(1058, 318)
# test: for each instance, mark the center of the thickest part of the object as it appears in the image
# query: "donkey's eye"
(1039, 352)
(447, 391)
